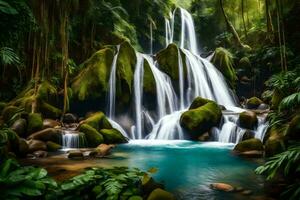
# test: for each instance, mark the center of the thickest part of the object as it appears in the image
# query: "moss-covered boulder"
(160, 194)
(35, 122)
(49, 111)
(199, 120)
(248, 120)
(93, 137)
(249, 145)
(52, 146)
(23, 147)
(113, 136)
(223, 60)
(98, 121)
(48, 134)
(253, 103)
(149, 86)
(50, 123)
(8, 112)
(20, 127)
(293, 131)
(198, 102)
(124, 73)
(36, 145)
(92, 81)
(274, 145)
(168, 61)
(276, 98)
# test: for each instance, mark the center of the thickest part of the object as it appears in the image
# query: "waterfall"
(112, 86)
(72, 139)
(196, 77)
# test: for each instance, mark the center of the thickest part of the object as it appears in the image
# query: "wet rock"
(251, 154)
(40, 154)
(20, 127)
(204, 137)
(23, 147)
(248, 120)
(70, 118)
(93, 137)
(49, 134)
(52, 146)
(222, 187)
(263, 106)
(35, 145)
(274, 145)
(249, 145)
(253, 103)
(98, 121)
(50, 123)
(248, 135)
(105, 149)
(160, 194)
(75, 154)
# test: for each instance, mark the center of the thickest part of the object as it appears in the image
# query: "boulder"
(160, 194)
(40, 154)
(23, 147)
(94, 75)
(199, 120)
(35, 123)
(93, 137)
(248, 120)
(35, 145)
(249, 145)
(49, 110)
(75, 154)
(251, 154)
(48, 134)
(222, 187)
(198, 102)
(20, 127)
(50, 123)
(112, 136)
(248, 135)
(274, 145)
(98, 121)
(52, 146)
(253, 103)
(70, 118)
(104, 149)
(149, 184)
(293, 131)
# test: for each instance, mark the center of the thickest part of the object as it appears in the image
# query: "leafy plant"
(7, 9)
(287, 164)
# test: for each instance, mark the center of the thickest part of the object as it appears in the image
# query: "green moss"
(253, 103)
(112, 136)
(245, 63)
(223, 60)
(199, 120)
(52, 146)
(249, 145)
(124, 73)
(148, 81)
(168, 61)
(49, 111)
(93, 79)
(93, 137)
(198, 102)
(45, 90)
(274, 145)
(98, 121)
(2, 106)
(35, 122)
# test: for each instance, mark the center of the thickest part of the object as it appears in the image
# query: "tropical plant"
(286, 164)
(7, 8)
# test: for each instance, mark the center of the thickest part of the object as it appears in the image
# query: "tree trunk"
(243, 16)
(270, 28)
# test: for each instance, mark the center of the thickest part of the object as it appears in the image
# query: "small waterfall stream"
(72, 139)
(197, 77)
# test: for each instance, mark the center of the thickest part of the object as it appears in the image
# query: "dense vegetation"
(50, 51)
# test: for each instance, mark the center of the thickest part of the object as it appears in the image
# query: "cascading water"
(197, 77)
(72, 139)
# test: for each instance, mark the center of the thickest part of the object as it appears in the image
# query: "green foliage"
(286, 163)
(7, 9)
(8, 56)
(18, 182)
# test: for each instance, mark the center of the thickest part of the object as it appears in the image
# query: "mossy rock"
(199, 120)
(93, 137)
(223, 60)
(20, 127)
(276, 98)
(248, 120)
(52, 146)
(35, 122)
(98, 121)
(92, 81)
(169, 63)
(198, 102)
(293, 131)
(274, 145)
(2, 106)
(253, 103)
(245, 63)
(160, 194)
(8, 112)
(23, 147)
(49, 111)
(253, 144)
(124, 73)
(48, 134)
(113, 136)
(149, 85)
